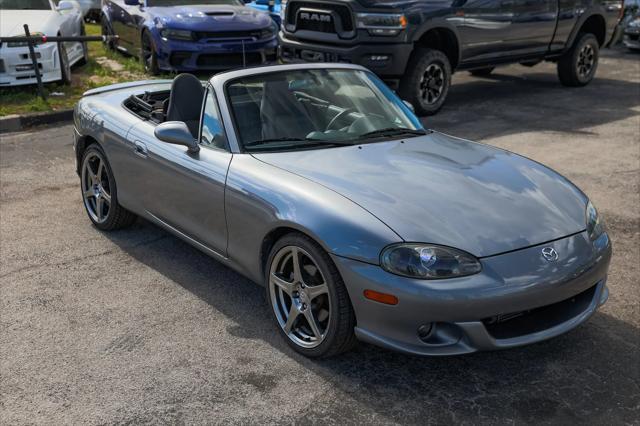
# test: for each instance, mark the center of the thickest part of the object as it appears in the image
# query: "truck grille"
(341, 21)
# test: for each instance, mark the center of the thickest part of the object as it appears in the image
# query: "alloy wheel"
(432, 83)
(586, 60)
(96, 189)
(300, 297)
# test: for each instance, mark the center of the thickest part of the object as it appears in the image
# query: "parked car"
(90, 9)
(318, 182)
(43, 18)
(270, 6)
(416, 45)
(631, 24)
(191, 35)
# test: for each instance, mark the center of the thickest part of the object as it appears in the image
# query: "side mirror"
(409, 105)
(177, 133)
(65, 5)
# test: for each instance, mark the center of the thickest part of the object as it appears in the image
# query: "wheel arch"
(274, 235)
(593, 23)
(82, 143)
(442, 37)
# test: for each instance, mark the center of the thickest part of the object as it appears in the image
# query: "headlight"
(171, 34)
(24, 43)
(428, 262)
(381, 24)
(270, 31)
(595, 226)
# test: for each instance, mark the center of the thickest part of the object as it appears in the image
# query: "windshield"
(312, 108)
(166, 3)
(25, 5)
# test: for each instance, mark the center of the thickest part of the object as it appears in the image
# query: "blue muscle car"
(177, 35)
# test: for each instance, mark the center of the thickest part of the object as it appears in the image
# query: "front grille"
(516, 324)
(229, 35)
(228, 60)
(343, 12)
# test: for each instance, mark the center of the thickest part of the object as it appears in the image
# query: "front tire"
(149, 56)
(309, 301)
(106, 31)
(99, 192)
(65, 67)
(85, 48)
(427, 81)
(578, 66)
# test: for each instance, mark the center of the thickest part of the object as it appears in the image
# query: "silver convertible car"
(318, 182)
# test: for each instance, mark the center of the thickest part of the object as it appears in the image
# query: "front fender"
(261, 198)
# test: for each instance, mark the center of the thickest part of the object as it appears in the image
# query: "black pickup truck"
(415, 45)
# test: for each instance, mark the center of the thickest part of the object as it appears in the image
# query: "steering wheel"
(337, 118)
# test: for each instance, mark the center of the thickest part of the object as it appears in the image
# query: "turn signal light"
(387, 299)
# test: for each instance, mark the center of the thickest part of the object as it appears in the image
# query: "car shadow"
(529, 100)
(583, 376)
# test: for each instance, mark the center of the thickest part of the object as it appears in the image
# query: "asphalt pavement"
(137, 327)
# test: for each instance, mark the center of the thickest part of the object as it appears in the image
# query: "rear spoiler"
(118, 86)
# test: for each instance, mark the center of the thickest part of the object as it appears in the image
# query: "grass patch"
(25, 99)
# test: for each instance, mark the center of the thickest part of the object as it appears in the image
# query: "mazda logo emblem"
(550, 254)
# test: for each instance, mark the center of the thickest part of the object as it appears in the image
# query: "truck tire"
(427, 81)
(578, 66)
(482, 72)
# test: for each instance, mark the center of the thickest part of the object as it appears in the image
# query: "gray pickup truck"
(416, 45)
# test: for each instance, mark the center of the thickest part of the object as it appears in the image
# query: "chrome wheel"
(299, 296)
(96, 188)
(586, 60)
(432, 83)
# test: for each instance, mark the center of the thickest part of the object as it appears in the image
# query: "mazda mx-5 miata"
(190, 35)
(318, 182)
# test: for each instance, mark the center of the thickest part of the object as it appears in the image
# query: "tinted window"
(212, 130)
(25, 4)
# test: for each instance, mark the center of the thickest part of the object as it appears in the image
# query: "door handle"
(140, 149)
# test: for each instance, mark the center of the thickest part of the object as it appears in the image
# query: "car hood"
(210, 17)
(443, 190)
(43, 21)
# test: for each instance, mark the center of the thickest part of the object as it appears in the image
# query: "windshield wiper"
(392, 131)
(315, 141)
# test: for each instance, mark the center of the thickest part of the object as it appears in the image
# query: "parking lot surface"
(138, 327)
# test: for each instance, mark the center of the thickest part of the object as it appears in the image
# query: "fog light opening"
(424, 331)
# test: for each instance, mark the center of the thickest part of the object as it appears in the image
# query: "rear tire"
(99, 192)
(426, 84)
(106, 31)
(578, 66)
(482, 72)
(311, 291)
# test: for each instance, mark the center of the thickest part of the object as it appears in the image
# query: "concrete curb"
(16, 123)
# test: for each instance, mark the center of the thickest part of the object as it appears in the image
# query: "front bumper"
(16, 68)
(214, 56)
(631, 39)
(519, 298)
(388, 60)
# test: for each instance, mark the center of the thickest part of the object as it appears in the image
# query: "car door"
(534, 23)
(186, 191)
(486, 29)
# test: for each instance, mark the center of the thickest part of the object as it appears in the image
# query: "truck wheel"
(427, 82)
(578, 66)
(482, 72)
